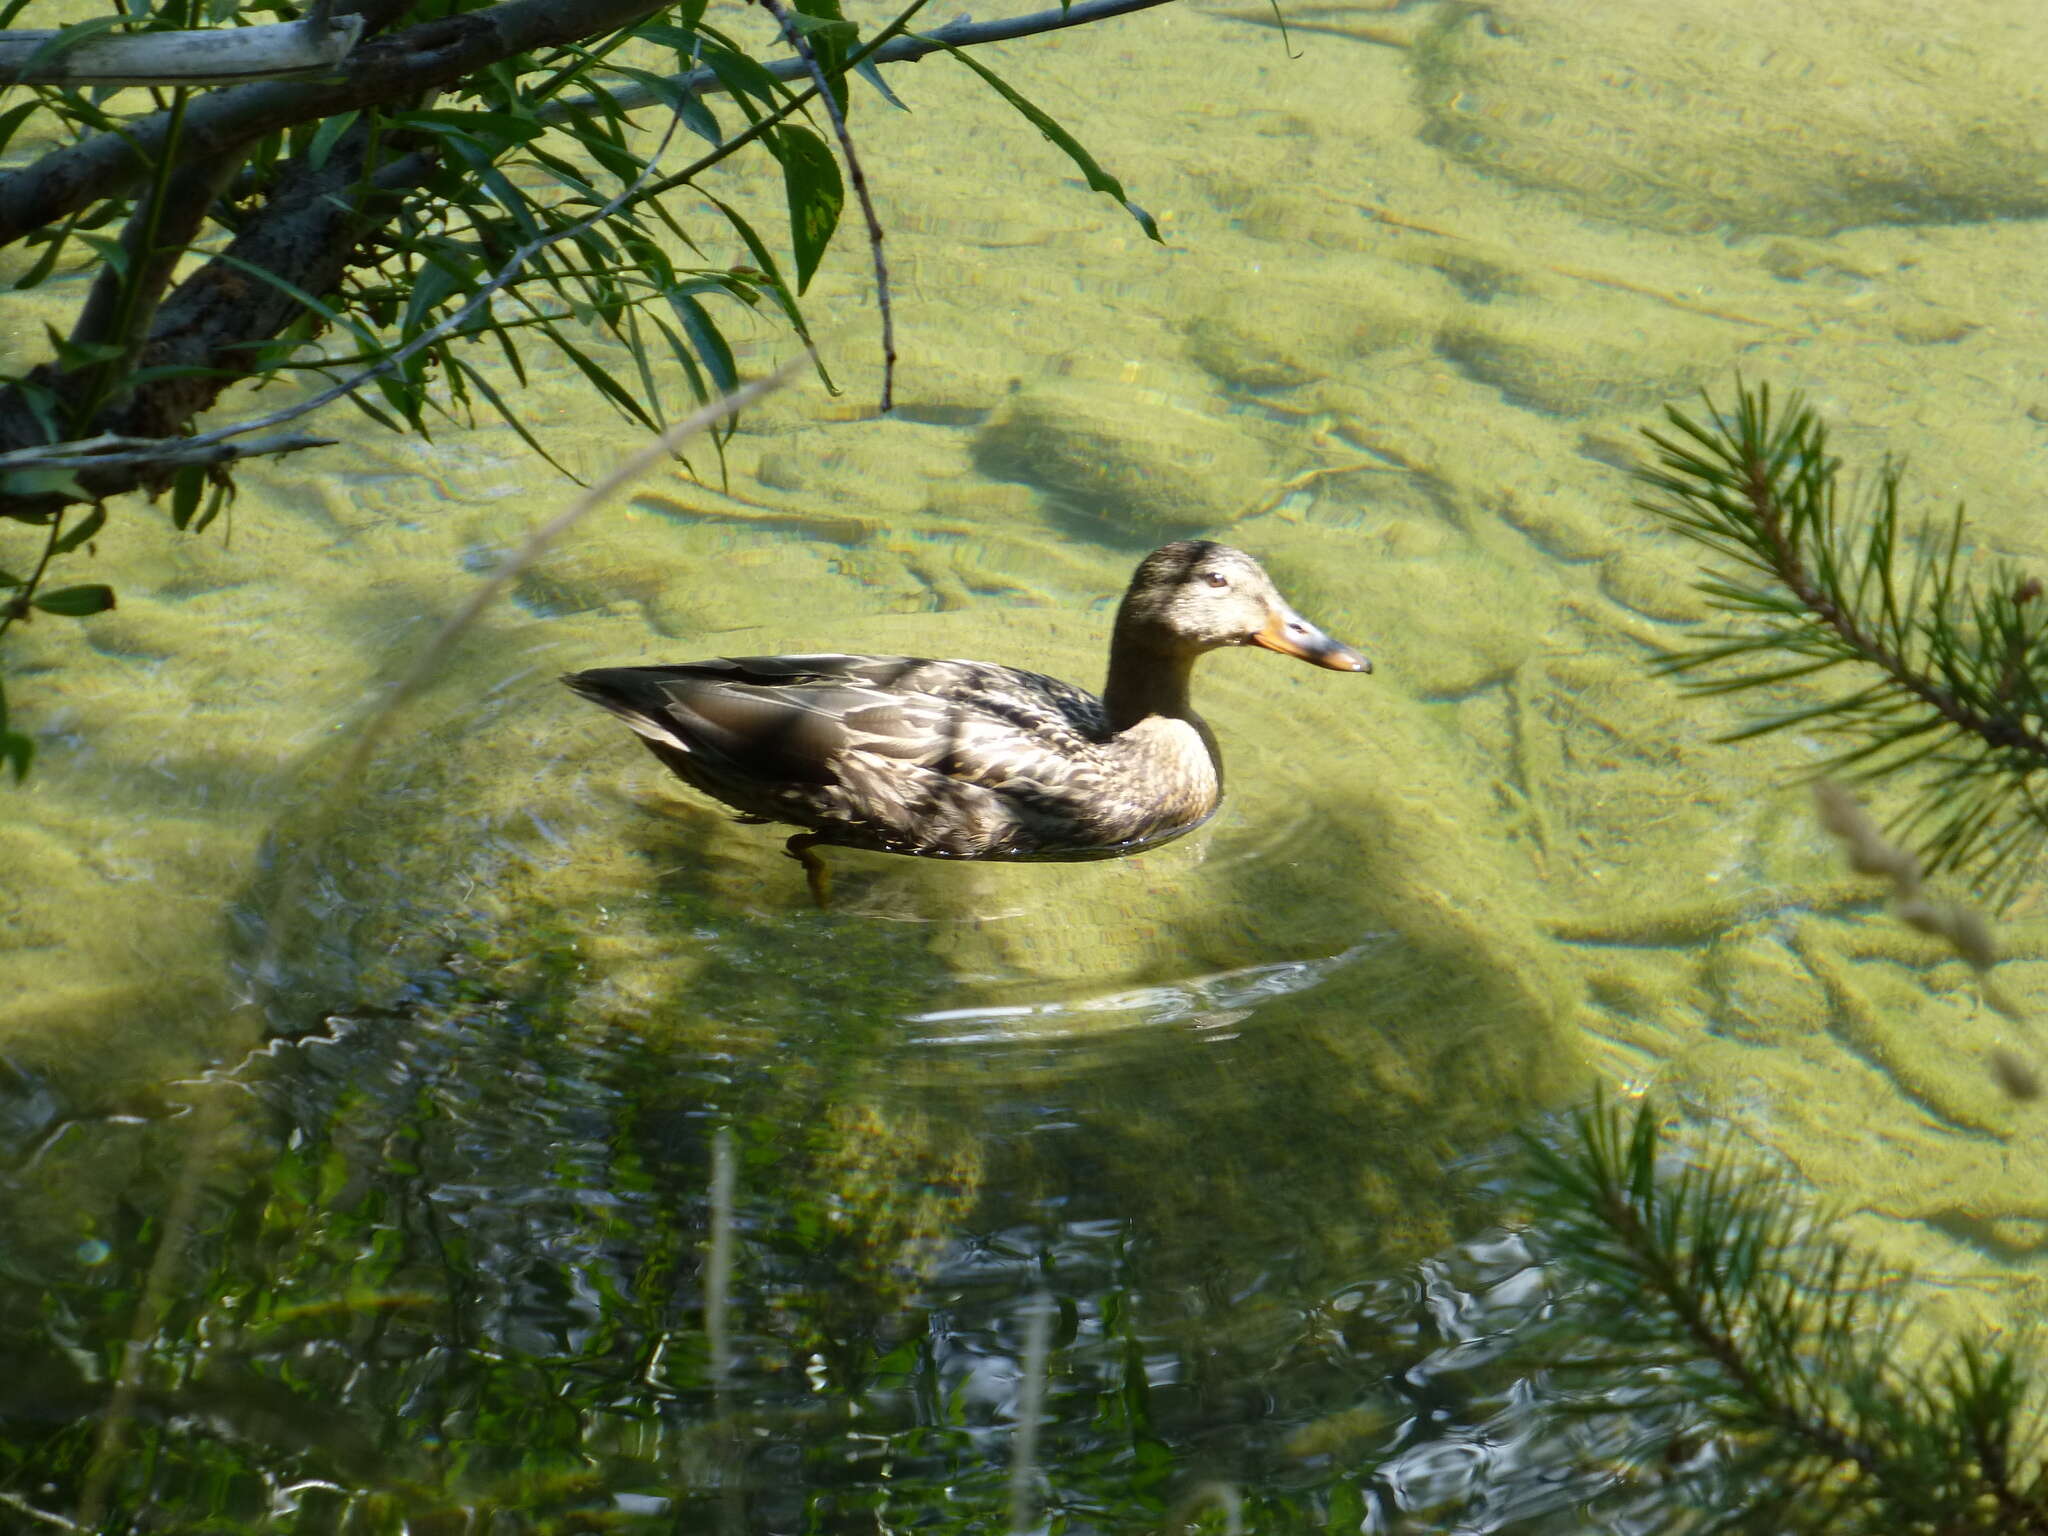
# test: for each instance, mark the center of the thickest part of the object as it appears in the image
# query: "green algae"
(1760, 119)
(1437, 411)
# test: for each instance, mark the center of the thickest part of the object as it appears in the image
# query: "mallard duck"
(965, 759)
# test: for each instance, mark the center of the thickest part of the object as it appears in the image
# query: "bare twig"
(1872, 853)
(837, 112)
(212, 56)
(1961, 926)
(961, 32)
(172, 452)
(537, 544)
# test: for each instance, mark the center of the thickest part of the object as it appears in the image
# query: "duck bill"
(1290, 634)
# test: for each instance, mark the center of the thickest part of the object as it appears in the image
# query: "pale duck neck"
(1146, 702)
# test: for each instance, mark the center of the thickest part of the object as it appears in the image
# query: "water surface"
(546, 1154)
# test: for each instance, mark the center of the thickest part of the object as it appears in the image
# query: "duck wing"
(955, 758)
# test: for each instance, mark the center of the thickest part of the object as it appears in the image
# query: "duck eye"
(1217, 579)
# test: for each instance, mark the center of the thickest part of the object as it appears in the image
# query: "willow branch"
(399, 67)
(141, 458)
(204, 326)
(149, 453)
(836, 111)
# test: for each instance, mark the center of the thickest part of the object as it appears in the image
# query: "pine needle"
(1949, 659)
(1791, 1351)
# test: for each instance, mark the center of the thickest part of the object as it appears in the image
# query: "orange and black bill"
(1291, 635)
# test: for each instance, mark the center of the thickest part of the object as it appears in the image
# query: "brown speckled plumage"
(965, 759)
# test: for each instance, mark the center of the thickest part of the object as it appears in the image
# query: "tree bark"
(308, 233)
(381, 72)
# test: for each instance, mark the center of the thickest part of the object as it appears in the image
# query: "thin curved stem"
(837, 113)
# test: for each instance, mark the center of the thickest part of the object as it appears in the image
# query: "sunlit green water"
(1423, 282)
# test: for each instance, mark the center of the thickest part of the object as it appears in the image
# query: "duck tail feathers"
(628, 696)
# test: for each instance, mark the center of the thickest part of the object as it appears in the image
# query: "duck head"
(1195, 596)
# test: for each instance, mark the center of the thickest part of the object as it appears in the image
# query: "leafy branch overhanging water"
(470, 175)
(1948, 663)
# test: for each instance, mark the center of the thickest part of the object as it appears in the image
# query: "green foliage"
(18, 748)
(1801, 1396)
(526, 218)
(76, 602)
(1947, 663)
(816, 195)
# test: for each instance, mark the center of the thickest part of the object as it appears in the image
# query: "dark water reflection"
(458, 1265)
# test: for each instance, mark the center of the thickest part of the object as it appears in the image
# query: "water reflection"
(470, 1264)
(455, 1264)
(452, 1250)
(1202, 1005)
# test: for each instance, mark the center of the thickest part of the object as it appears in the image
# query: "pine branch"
(1790, 1348)
(1951, 664)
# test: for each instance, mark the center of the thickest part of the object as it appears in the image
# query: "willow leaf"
(511, 418)
(811, 181)
(1098, 179)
